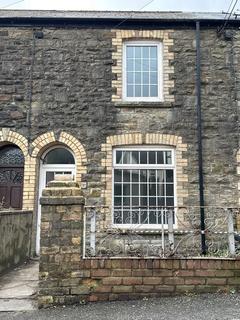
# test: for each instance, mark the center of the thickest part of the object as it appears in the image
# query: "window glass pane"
(152, 201)
(145, 53)
(144, 217)
(169, 175)
(117, 175)
(161, 201)
(153, 65)
(126, 201)
(130, 52)
(143, 175)
(143, 157)
(145, 77)
(118, 156)
(117, 216)
(130, 65)
(152, 217)
(130, 77)
(143, 189)
(135, 216)
(126, 156)
(145, 91)
(169, 189)
(153, 78)
(126, 175)
(169, 201)
(135, 189)
(117, 201)
(152, 189)
(138, 52)
(153, 52)
(160, 158)
(138, 65)
(168, 157)
(126, 217)
(153, 91)
(138, 78)
(145, 65)
(135, 176)
(152, 157)
(59, 156)
(118, 189)
(135, 157)
(161, 176)
(135, 201)
(161, 190)
(49, 176)
(130, 92)
(152, 176)
(137, 91)
(126, 189)
(144, 201)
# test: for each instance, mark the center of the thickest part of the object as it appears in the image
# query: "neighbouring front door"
(11, 177)
(57, 161)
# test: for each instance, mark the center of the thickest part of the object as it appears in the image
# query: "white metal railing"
(177, 235)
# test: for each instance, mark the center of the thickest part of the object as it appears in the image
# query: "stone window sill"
(143, 104)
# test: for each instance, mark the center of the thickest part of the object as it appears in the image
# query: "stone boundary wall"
(66, 278)
(15, 233)
(123, 279)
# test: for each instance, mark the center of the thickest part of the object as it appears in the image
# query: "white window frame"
(144, 166)
(159, 45)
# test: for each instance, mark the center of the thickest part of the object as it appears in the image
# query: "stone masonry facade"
(66, 89)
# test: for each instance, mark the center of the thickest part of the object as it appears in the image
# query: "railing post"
(231, 241)
(170, 229)
(93, 231)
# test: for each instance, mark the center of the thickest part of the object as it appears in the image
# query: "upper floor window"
(142, 71)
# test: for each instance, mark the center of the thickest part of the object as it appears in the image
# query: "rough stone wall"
(72, 91)
(15, 244)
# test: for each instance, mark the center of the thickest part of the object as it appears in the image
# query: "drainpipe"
(199, 136)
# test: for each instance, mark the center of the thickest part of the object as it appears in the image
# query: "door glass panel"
(59, 156)
(49, 176)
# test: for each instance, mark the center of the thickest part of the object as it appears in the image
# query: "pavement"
(18, 288)
(199, 307)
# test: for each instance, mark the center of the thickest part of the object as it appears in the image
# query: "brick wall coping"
(69, 200)
(165, 259)
(15, 212)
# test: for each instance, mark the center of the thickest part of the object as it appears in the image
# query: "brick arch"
(42, 142)
(145, 139)
(7, 135)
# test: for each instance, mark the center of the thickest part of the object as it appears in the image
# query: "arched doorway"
(58, 160)
(11, 176)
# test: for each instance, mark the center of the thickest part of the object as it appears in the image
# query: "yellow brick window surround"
(148, 139)
(121, 37)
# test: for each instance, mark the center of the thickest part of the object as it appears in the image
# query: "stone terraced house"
(140, 109)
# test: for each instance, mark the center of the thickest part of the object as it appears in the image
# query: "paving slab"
(18, 288)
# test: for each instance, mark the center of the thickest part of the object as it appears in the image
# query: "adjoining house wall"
(15, 232)
(67, 278)
(73, 76)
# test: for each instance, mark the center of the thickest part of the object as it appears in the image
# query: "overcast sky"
(156, 5)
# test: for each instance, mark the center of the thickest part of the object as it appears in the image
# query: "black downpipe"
(199, 135)
(30, 89)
